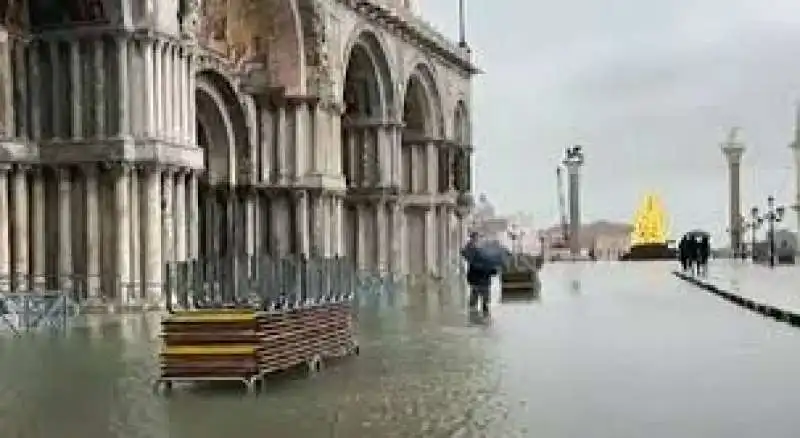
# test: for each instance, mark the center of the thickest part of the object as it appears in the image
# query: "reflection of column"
(21, 267)
(92, 232)
(65, 266)
(38, 231)
(5, 210)
(152, 240)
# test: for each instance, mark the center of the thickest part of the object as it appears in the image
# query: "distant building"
(608, 240)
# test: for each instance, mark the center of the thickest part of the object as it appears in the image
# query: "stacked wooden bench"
(245, 345)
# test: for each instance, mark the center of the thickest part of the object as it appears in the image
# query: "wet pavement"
(773, 286)
(610, 350)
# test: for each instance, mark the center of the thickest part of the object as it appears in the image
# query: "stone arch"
(422, 103)
(222, 133)
(221, 120)
(368, 89)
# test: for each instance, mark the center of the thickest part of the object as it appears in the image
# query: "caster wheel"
(315, 364)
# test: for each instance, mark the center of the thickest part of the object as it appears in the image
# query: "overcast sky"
(650, 88)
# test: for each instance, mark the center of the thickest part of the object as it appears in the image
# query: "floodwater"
(610, 350)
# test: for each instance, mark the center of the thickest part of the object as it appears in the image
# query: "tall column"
(65, 263)
(430, 239)
(55, 65)
(733, 151)
(21, 253)
(34, 67)
(153, 235)
(5, 250)
(122, 216)
(338, 226)
(181, 248)
(136, 235)
(169, 91)
(6, 87)
(38, 268)
(92, 232)
(573, 161)
(99, 88)
(167, 216)
(158, 88)
(282, 145)
(301, 139)
(394, 236)
(250, 223)
(431, 167)
(22, 87)
(148, 92)
(302, 217)
(194, 217)
(76, 85)
(123, 91)
(382, 231)
(361, 236)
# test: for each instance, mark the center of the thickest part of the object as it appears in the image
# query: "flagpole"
(462, 31)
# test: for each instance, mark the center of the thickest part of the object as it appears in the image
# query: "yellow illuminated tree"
(650, 222)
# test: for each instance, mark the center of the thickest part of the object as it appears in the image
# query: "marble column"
(123, 92)
(158, 88)
(6, 87)
(282, 145)
(38, 268)
(148, 92)
(303, 225)
(65, 262)
(153, 235)
(733, 151)
(20, 210)
(338, 226)
(136, 235)
(76, 85)
(167, 216)
(5, 250)
(99, 69)
(56, 115)
(430, 239)
(122, 215)
(22, 87)
(34, 67)
(91, 175)
(395, 237)
(382, 231)
(181, 247)
(194, 217)
(430, 166)
(301, 149)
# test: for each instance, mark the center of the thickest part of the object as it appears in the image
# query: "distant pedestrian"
(703, 254)
(479, 274)
(683, 254)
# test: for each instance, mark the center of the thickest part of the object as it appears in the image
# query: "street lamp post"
(773, 215)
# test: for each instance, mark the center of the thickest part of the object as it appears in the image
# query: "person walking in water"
(479, 274)
(703, 254)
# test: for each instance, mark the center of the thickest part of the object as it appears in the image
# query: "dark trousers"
(479, 293)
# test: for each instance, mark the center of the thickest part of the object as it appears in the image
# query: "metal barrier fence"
(270, 282)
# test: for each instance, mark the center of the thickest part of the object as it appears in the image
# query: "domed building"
(134, 133)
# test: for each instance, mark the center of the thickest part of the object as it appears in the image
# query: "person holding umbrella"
(483, 263)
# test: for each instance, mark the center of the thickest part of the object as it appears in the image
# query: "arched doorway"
(220, 126)
(367, 99)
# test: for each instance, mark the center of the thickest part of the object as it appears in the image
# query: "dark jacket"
(478, 273)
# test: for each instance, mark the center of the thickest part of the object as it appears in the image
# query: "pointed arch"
(368, 81)
(422, 102)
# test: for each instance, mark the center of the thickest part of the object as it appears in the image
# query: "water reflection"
(633, 358)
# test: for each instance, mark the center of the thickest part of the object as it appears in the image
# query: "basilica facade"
(138, 132)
